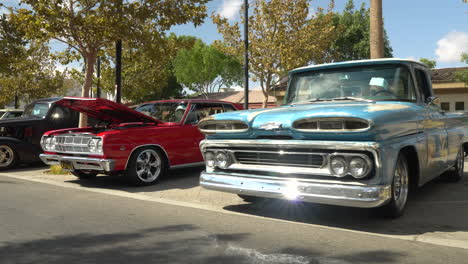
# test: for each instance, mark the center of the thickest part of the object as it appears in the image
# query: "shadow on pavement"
(185, 178)
(437, 207)
(168, 244)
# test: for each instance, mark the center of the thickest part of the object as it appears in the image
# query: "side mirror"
(433, 101)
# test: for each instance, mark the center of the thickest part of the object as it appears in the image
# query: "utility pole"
(118, 63)
(376, 30)
(246, 54)
(98, 73)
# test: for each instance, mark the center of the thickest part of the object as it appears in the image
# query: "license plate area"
(66, 165)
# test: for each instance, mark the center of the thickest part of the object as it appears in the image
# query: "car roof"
(355, 63)
(189, 101)
(48, 100)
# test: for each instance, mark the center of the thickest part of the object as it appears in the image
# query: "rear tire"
(146, 167)
(456, 174)
(8, 157)
(399, 190)
(84, 175)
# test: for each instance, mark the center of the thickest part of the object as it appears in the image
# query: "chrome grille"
(280, 158)
(72, 143)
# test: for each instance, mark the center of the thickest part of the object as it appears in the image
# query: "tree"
(430, 63)
(148, 71)
(462, 76)
(88, 26)
(283, 35)
(27, 70)
(352, 39)
(204, 68)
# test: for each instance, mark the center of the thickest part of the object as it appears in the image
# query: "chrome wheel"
(7, 156)
(401, 183)
(148, 165)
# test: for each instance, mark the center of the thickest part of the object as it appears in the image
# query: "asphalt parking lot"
(436, 214)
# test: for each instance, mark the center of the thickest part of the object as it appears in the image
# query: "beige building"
(453, 94)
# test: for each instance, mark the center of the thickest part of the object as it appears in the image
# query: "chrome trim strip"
(187, 165)
(362, 196)
(80, 163)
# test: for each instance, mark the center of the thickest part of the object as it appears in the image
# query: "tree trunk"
(376, 30)
(266, 93)
(90, 60)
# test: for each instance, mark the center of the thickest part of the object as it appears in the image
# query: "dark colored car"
(20, 138)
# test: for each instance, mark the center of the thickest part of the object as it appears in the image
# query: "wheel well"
(413, 165)
(158, 147)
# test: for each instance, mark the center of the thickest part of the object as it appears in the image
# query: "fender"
(26, 151)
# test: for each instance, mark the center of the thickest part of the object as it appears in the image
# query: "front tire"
(400, 190)
(84, 175)
(8, 157)
(146, 167)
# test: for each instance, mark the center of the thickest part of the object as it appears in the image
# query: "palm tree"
(376, 30)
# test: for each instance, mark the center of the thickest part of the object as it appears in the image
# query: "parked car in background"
(359, 134)
(141, 144)
(10, 113)
(20, 137)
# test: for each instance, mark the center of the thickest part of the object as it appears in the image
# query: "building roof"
(445, 74)
(255, 96)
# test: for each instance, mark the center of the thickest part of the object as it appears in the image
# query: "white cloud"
(3, 10)
(451, 46)
(230, 8)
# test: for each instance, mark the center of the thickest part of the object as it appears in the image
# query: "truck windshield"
(378, 83)
(165, 112)
(1, 114)
(36, 110)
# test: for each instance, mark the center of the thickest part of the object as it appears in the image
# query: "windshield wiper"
(351, 98)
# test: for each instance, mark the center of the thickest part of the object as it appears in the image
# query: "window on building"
(459, 106)
(445, 106)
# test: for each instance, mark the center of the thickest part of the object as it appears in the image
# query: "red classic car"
(142, 143)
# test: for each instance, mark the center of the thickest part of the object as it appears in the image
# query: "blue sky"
(432, 29)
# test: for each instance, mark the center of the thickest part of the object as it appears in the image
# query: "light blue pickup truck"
(360, 133)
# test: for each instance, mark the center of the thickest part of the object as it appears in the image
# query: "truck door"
(434, 127)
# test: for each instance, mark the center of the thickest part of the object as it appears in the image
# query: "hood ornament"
(271, 126)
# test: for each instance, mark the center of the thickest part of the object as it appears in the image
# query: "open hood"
(105, 110)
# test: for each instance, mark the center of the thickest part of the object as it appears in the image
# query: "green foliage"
(430, 63)
(352, 38)
(283, 35)
(204, 69)
(27, 70)
(462, 76)
(87, 27)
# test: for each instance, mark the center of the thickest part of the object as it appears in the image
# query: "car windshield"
(377, 83)
(2, 113)
(165, 112)
(36, 110)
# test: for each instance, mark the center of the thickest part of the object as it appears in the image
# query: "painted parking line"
(424, 238)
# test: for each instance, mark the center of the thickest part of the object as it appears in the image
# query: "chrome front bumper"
(79, 163)
(293, 189)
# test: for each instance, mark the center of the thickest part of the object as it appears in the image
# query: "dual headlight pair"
(220, 159)
(358, 166)
(94, 144)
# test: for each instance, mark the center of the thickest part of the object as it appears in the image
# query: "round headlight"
(49, 143)
(358, 167)
(210, 159)
(222, 160)
(92, 145)
(99, 146)
(338, 166)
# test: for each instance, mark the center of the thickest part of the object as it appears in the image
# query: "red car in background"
(142, 143)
